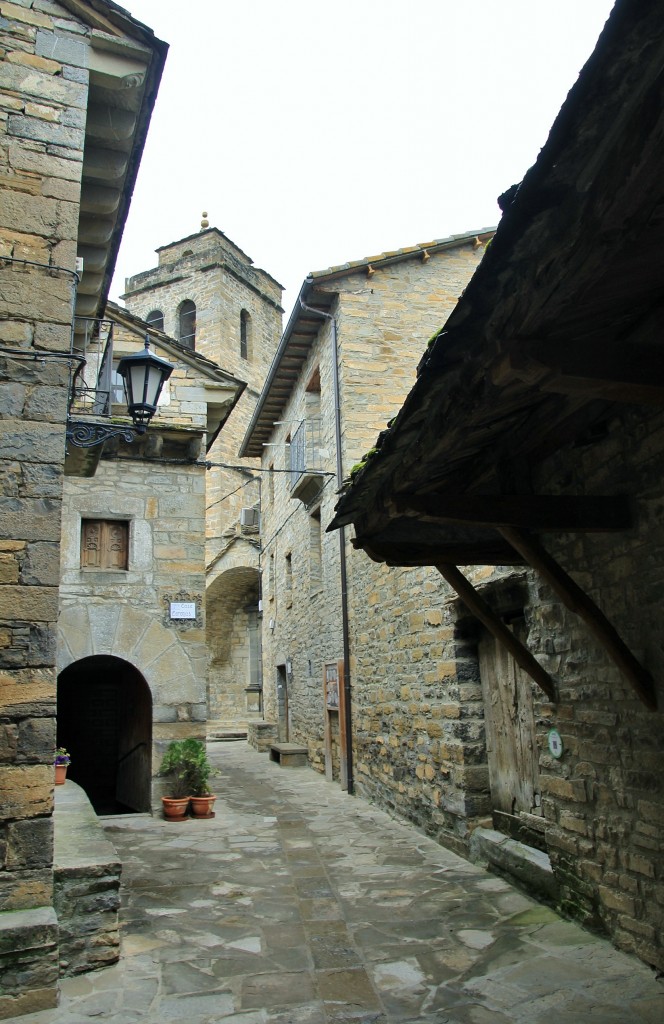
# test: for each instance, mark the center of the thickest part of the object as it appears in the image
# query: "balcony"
(306, 461)
(95, 387)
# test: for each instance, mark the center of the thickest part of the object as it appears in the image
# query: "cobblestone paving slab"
(300, 905)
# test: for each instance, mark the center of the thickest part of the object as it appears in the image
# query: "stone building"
(533, 439)
(351, 345)
(132, 656)
(206, 293)
(78, 80)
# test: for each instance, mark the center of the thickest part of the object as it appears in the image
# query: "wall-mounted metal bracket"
(89, 435)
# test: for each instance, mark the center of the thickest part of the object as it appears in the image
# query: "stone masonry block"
(26, 15)
(29, 844)
(564, 789)
(28, 519)
(63, 48)
(617, 900)
(35, 737)
(29, 604)
(26, 791)
(25, 930)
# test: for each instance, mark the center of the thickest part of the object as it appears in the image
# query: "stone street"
(297, 904)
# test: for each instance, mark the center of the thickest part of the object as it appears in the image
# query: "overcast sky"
(315, 133)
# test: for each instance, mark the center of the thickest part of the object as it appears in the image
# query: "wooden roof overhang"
(561, 321)
(290, 357)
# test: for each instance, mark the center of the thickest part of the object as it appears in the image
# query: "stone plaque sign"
(183, 609)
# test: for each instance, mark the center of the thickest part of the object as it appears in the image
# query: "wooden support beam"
(628, 373)
(578, 601)
(481, 610)
(535, 511)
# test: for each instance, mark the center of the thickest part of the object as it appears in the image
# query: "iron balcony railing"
(94, 388)
(305, 450)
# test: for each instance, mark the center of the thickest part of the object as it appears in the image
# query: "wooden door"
(510, 730)
(282, 704)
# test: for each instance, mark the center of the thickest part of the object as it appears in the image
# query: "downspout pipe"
(348, 718)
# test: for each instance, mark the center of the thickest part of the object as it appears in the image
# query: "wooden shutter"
(104, 544)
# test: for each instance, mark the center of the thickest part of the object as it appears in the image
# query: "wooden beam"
(537, 511)
(410, 553)
(625, 373)
(481, 610)
(578, 601)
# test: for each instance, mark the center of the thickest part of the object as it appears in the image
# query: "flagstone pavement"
(298, 904)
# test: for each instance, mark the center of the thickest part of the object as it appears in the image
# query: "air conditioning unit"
(249, 518)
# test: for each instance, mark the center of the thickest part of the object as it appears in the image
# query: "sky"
(315, 133)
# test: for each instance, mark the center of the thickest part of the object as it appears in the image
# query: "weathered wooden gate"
(512, 752)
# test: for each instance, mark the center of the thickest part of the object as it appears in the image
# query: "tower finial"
(205, 223)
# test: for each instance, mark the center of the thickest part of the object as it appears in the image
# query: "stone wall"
(604, 798)
(214, 273)
(87, 886)
(211, 271)
(43, 101)
(383, 321)
(125, 614)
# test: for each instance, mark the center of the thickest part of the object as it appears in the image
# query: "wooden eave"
(292, 353)
(561, 322)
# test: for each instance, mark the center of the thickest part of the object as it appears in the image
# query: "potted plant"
(173, 768)
(199, 771)
(61, 760)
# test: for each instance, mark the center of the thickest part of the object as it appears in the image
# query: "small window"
(104, 544)
(271, 579)
(156, 319)
(315, 550)
(118, 396)
(270, 483)
(187, 324)
(289, 580)
(245, 332)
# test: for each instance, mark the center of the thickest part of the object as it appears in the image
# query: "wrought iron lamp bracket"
(89, 435)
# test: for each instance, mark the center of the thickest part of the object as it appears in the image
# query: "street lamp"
(144, 375)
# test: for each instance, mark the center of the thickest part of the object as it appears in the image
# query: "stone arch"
(138, 637)
(233, 635)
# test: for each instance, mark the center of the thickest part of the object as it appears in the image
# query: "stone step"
(529, 867)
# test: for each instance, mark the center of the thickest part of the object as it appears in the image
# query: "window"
(270, 483)
(187, 324)
(315, 550)
(289, 580)
(245, 334)
(117, 386)
(270, 579)
(156, 319)
(104, 544)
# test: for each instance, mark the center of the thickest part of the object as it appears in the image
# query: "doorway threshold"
(529, 867)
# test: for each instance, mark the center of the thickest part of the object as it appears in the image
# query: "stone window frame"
(107, 552)
(315, 550)
(156, 319)
(245, 335)
(271, 582)
(186, 322)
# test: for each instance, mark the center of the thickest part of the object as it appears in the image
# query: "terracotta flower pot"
(201, 806)
(175, 809)
(60, 774)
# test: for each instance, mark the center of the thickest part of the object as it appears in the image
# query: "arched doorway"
(105, 722)
(233, 637)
